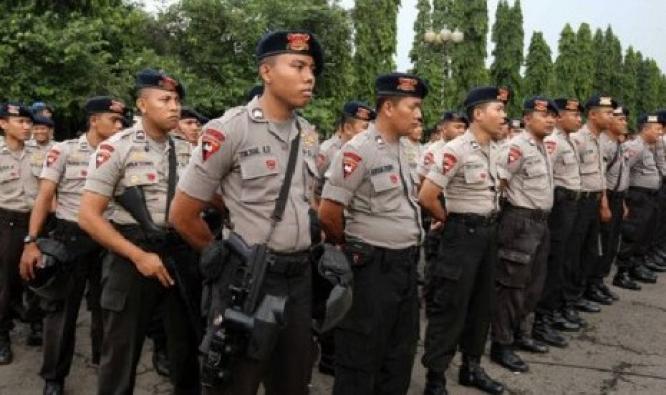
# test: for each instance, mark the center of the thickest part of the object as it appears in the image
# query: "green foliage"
(508, 36)
(566, 64)
(629, 82)
(538, 67)
(584, 72)
(649, 84)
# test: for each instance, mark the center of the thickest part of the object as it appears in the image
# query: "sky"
(639, 23)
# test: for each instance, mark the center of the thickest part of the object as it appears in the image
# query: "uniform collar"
(83, 142)
(527, 136)
(471, 140)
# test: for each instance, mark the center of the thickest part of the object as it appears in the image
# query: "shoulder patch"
(103, 154)
(448, 162)
(550, 146)
(211, 142)
(350, 162)
(428, 158)
(52, 156)
(515, 153)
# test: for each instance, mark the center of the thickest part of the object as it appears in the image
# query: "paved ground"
(623, 351)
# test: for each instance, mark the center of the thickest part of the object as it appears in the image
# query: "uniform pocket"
(536, 177)
(76, 172)
(387, 191)
(475, 173)
(518, 244)
(259, 174)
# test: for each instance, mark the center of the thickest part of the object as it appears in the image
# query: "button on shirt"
(18, 182)
(373, 180)
(467, 172)
(565, 159)
(246, 156)
(642, 165)
(592, 168)
(529, 173)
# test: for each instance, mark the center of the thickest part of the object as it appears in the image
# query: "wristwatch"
(29, 239)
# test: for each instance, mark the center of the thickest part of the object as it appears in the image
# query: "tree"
(375, 25)
(584, 72)
(538, 67)
(649, 84)
(601, 80)
(629, 84)
(468, 57)
(614, 50)
(427, 63)
(508, 36)
(565, 64)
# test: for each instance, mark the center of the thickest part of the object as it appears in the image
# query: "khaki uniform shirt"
(19, 181)
(246, 155)
(565, 159)
(592, 167)
(660, 155)
(327, 151)
(427, 159)
(529, 173)
(413, 152)
(617, 175)
(131, 158)
(468, 175)
(374, 181)
(642, 165)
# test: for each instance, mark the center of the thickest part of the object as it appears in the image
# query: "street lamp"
(444, 38)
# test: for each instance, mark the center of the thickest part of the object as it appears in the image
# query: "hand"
(625, 211)
(605, 214)
(29, 259)
(436, 225)
(150, 265)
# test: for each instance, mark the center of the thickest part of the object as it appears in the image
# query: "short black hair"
(383, 99)
(470, 111)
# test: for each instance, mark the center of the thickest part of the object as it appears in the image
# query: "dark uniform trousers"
(523, 245)
(376, 341)
(13, 228)
(287, 370)
(128, 301)
(659, 241)
(459, 293)
(639, 227)
(560, 224)
(610, 237)
(584, 246)
(84, 269)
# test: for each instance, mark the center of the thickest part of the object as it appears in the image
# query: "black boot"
(606, 291)
(650, 264)
(35, 335)
(503, 355)
(543, 331)
(53, 388)
(622, 279)
(641, 274)
(160, 359)
(6, 355)
(471, 374)
(570, 313)
(594, 294)
(560, 323)
(435, 383)
(526, 343)
(586, 306)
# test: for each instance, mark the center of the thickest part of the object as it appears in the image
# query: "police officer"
(414, 147)
(451, 125)
(656, 256)
(17, 194)
(135, 278)
(245, 152)
(594, 203)
(371, 179)
(190, 125)
(644, 182)
(354, 119)
(459, 288)
(42, 133)
(41, 109)
(617, 182)
(64, 173)
(523, 242)
(552, 313)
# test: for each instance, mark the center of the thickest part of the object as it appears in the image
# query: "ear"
(141, 104)
(265, 72)
(3, 123)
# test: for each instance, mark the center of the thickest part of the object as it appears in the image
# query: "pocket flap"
(514, 256)
(113, 299)
(258, 167)
(385, 181)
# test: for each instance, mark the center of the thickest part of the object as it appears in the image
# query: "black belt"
(646, 191)
(616, 194)
(590, 195)
(569, 194)
(532, 213)
(288, 264)
(15, 217)
(470, 219)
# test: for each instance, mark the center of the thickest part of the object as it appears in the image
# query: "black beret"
(650, 118)
(151, 78)
(40, 106)
(600, 101)
(187, 112)
(400, 84)
(517, 124)
(42, 120)
(14, 110)
(621, 110)
(128, 117)
(454, 116)
(103, 104)
(256, 90)
(662, 116)
(539, 104)
(568, 104)
(486, 94)
(359, 110)
(299, 42)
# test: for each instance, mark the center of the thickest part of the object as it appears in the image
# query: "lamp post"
(443, 39)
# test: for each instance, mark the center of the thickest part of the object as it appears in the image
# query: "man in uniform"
(245, 152)
(527, 176)
(593, 206)
(451, 125)
(552, 313)
(64, 173)
(18, 188)
(644, 182)
(41, 109)
(190, 125)
(136, 280)
(371, 179)
(460, 282)
(355, 118)
(414, 147)
(617, 182)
